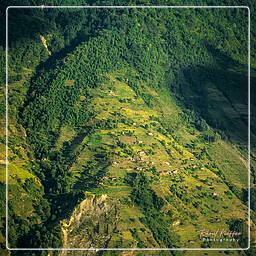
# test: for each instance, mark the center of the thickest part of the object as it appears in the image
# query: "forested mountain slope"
(128, 128)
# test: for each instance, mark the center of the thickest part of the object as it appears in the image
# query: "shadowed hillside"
(127, 129)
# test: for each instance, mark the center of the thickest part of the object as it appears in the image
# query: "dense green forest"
(128, 127)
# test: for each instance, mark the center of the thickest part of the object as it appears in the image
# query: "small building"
(176, 223)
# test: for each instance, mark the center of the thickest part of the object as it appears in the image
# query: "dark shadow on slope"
(220, 95)
(27, 23)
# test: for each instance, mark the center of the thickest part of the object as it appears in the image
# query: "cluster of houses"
(168, 172)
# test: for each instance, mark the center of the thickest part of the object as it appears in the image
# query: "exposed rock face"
(44, 42)
(90, 225)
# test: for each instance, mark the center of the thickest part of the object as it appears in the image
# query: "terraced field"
(127, 128)
(196, 197)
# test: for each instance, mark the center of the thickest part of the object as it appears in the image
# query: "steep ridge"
(148, 167)
(120, 146)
